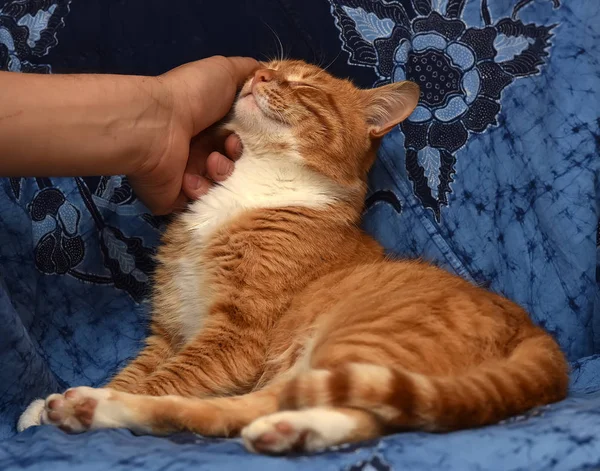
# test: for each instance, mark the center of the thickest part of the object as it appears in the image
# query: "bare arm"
(148, 128)
(61, 125)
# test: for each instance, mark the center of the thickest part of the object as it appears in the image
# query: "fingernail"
(239, 148)
(225, 167)
(195, 181)
(198, 184)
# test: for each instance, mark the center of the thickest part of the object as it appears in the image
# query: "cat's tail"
(533, 374)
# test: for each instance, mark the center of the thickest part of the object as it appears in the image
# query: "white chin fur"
(252, 114)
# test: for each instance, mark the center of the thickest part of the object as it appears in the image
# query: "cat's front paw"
(74, 411)
(81, 409)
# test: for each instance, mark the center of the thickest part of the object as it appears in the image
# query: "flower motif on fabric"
(128, 260)
(462, 72)
(28, 31)
(58, 246)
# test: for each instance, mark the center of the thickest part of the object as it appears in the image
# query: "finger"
(195, 186)
(214, 93)
(156, 197)
(199, 150)
(210, 138)
(241, 68)
(180, 203)
(233, 147)
(218, 167)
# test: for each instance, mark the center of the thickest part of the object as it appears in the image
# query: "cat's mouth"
(258, 101)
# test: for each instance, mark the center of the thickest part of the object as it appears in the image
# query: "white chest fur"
(257, 182)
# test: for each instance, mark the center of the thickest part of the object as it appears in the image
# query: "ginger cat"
(276, 317)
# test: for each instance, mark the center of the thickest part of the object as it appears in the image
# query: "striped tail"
(534, 374)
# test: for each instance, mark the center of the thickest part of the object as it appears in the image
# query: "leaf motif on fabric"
(28, 30)
(36, 24)
(129, 262)
(117, 250)
(429, 160)
(507, 47)
(369, 25)
(529, 60)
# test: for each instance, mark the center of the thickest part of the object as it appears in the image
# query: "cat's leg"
(157, 351)
(263, 429)
(81, 409)
(310, 430)
(224, 359)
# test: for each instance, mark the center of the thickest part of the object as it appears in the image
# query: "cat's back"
(388, 285)
(406, 303)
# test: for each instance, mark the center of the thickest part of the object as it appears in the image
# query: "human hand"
(184, 157)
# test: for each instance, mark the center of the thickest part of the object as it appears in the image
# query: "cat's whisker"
(323, 59)
(267, 58)
(324, 69)
(278, 44)
(286, 94)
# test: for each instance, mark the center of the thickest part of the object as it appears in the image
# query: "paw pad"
(72, 411)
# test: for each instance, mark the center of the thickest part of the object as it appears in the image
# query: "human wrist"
(154, 118)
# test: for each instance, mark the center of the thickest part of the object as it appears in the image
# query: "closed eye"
(302, 84)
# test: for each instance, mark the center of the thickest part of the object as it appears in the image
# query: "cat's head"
(297, 110)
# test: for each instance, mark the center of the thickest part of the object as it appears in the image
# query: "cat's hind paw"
(308, 430)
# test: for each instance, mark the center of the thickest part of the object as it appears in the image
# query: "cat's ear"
(389, 105)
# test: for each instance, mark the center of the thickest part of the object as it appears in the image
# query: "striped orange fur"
(276, 317)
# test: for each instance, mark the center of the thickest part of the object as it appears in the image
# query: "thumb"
(208, 87)
(240, 68)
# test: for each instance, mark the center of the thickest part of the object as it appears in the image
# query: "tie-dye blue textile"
(495, 176)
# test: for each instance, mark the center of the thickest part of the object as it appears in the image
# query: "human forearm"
(151, 129)
(60, 125)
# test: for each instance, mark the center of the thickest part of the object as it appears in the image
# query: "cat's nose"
(263, 75)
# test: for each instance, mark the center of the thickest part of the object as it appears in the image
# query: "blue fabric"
(496, 179)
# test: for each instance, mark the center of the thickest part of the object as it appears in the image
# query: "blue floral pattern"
(28, 31)
(58, 246)
(462, 72)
